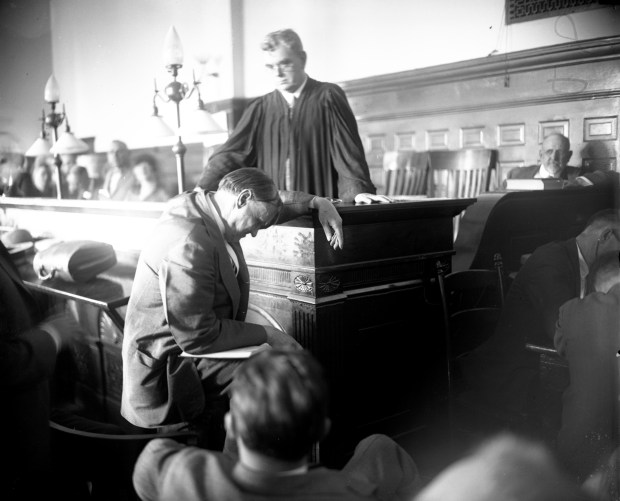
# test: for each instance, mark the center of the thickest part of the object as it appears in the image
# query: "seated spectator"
(37, 181)
(504, 468)
(588, 336)
(119, 182)
(278, 411)
(501, 372)
(30, 338)
(43, 177)
(78, 183)
(554, 155)
(148, 187)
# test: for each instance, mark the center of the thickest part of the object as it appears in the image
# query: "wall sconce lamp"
(66, 144)
(200, 121)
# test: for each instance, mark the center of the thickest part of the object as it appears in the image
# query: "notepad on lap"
(235, 353)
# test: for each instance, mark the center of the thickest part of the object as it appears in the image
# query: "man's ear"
(229, 425)
(569, 155)
(243, 198)
(304, 58)
(606, 234)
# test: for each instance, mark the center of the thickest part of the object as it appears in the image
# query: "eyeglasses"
(283, 67)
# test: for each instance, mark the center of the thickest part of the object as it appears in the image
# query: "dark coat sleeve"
(346, 150)
(240, 149)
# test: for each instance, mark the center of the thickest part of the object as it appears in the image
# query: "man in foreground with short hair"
(278, 411)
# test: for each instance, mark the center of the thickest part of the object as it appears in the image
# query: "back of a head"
(605, 272)
(279, 403)
(506, 468)
(286, 37)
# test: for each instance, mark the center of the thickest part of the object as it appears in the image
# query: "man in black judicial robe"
(303, 134)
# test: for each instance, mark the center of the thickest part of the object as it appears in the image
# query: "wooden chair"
(405, 173)
(258, 315)
(471, 303)
(98, 465)
(460, 173)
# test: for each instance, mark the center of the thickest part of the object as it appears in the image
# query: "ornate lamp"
(66, 144)
(175, 91)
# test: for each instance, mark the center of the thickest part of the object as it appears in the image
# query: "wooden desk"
(515, 223)
(108, 292)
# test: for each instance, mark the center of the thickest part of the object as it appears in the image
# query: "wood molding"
(508, 103)
(594, 50)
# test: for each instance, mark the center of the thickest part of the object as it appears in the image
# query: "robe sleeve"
(346, 150)
(238, 150)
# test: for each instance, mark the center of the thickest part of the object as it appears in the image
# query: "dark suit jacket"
(379, 469)
(588, 336)
(569, 174)
(27, 360)
(501, 368)
(185, 297)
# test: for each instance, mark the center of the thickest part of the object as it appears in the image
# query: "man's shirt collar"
(290, 96)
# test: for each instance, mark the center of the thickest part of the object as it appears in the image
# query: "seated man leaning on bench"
(278, 411)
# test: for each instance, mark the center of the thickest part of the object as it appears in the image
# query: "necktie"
(287, 174)
(234, 260)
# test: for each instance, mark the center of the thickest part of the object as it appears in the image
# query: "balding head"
(505, 468)
(555, 153)
(119, 155)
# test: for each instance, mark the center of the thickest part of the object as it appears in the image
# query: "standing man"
(190, 294)
(554, 155)
(119, 182)
(303, 134)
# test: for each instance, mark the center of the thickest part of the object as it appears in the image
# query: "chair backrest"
(101, 462)
(260, 316)
(460, 173)
(405, 172)
(472, 301)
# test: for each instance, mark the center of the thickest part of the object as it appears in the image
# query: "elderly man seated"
(554, 155)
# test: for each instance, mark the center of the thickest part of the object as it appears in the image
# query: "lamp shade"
(202, 122)
(40, 147)
(52, 91)
(173, 49)
(156, 127)
(69, 144)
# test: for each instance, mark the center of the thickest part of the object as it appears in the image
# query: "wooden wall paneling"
(567, 83)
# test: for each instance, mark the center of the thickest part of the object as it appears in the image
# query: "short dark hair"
(286, 37)
(279, 403)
